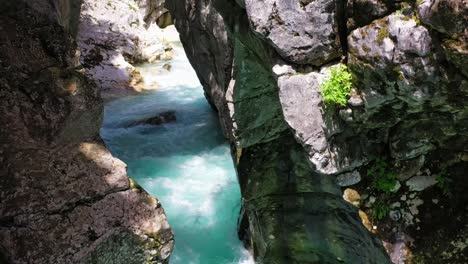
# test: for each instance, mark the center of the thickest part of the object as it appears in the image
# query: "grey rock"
(313, 125)
(397, 69)
(65, 198)
(410, 167)
(446, 16)
(449, 17)
(301, 32)
(159, 119)
(363, 12)
(420, 183)
(356, 101)
(210, 50)
(348, 179)
(413, 206)
(395, 215)
(300, 99)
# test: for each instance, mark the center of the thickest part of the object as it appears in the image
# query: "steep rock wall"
(64, 198)
(291, 213)
(262, 64)
(115, 35)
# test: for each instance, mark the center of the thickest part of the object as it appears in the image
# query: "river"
(186, 164)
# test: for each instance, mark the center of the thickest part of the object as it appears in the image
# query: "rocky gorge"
(378, 179)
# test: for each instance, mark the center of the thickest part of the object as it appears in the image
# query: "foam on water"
(186, 164)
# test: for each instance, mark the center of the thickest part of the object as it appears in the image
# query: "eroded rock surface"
(304, 32)
(64, 198)
(406, 107)
(285, 198)
(114, 35)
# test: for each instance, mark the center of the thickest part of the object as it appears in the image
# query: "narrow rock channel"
(185, 162)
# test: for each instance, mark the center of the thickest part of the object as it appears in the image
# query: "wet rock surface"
(160, 119)
(65, 199)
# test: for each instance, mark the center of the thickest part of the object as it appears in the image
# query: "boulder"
(303, 32)
(159, 119)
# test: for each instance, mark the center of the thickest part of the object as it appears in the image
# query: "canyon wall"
(116, 35)
(64, 198)
(262, 64)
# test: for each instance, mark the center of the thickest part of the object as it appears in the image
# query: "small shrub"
(384, 180)
(335, 90)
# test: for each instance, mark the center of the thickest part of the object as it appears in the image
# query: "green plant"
(380, 210)
(381, 35)
(335, 90)
(383, 178)
(132, 7)
(444, 183)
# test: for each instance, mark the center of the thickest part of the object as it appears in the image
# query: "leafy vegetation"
(335, 90)
(380, 210)
(444, 183)
(383, 178)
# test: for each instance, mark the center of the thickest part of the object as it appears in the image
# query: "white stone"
(281, 70)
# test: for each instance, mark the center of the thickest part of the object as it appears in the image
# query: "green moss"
(383, 33)
(134, 185)
(132, 7)
(417, 20)
(155, 244)
(335, 90)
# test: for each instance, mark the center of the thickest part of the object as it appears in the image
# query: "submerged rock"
(159, 119)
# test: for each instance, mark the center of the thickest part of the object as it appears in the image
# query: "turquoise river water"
(185, 164)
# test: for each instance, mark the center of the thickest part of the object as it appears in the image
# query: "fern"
(335, 90)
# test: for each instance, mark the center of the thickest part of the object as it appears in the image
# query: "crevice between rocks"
(342, 17)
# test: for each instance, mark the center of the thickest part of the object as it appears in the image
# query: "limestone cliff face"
(115, 35)
(64, 198)
(262, 64)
